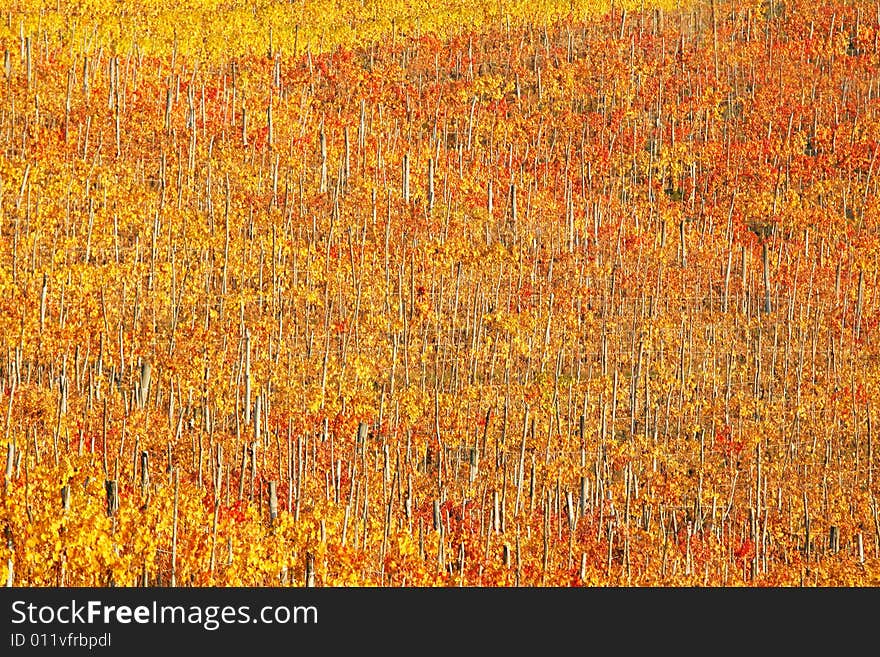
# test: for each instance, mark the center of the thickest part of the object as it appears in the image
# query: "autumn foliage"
(553, 298)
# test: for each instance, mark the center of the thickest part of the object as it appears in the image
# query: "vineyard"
(405, 294)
